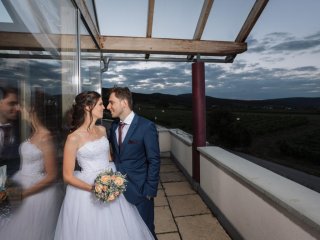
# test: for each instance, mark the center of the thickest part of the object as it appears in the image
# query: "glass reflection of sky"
(4, 15)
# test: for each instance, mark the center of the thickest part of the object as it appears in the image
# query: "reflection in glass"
(90, 64)
(33, 189)
(42, 64)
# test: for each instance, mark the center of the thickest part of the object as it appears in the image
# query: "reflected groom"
(135, 147)
(9, 130)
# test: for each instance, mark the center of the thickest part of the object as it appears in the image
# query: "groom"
(9, 130)
(135, 148)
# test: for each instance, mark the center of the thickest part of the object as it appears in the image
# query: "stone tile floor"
(180, 213)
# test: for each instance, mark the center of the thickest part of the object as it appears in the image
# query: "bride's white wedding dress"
(83, 216)
(36, 217)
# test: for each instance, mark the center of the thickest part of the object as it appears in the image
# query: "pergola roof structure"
(148, 45)
(190, 47)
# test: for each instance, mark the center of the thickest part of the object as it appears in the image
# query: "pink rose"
(111, 197)
(105, 178)
(119, 181)
(98, 188)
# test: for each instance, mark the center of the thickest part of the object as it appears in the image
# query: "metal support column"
(198, 116)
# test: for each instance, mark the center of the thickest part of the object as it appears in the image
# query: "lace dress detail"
(83, 217)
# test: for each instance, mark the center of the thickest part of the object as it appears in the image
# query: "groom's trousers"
(146, 210)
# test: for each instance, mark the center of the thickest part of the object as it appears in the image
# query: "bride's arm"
(69, 160)
(50, 165)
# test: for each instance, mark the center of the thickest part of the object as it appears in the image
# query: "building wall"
(181, 149)
(256, 213)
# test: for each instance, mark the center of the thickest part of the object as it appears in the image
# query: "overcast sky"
(283, 57)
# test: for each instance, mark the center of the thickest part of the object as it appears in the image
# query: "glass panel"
(4, 15)
(38, 80)
(130, 16)
(34, 16)
(90, 64)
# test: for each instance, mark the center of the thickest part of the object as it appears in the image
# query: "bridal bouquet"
(109, 185)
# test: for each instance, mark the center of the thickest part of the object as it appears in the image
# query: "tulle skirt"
(36, 216)
(83, 216)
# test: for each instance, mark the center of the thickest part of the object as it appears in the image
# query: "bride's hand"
(3, 196)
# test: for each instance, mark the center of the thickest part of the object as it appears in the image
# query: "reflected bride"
(36, 216)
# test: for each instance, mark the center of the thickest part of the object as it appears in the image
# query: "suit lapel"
(131, 130)
(114, 136)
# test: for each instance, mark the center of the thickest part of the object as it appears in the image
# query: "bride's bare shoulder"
(102, 130)
(74, 138)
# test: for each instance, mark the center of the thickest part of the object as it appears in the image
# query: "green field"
(169, 117)
(288, 138)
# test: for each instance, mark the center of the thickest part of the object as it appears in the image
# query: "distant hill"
(297, 103)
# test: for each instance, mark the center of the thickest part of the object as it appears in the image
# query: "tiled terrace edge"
(181, 153)
(250, 202)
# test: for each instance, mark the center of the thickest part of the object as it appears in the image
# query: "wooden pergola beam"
(170, 46)
(202, 21)
(251, 20)
(150, 22)
(203, 18)
(42, 42)
(150, 18)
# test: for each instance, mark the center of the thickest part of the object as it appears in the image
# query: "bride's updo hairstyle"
(83, 100)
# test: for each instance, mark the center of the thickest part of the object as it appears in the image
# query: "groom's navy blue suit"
(139, 159)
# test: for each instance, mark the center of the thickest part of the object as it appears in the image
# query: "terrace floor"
(180, 213)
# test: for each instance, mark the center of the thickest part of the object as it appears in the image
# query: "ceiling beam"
(150, 22)
(170, 46)
(206, 8)
(202, 21)
(251, 20)
(150, 18)
(110, 44)
(43, 42)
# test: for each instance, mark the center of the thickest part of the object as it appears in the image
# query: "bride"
(82, 215)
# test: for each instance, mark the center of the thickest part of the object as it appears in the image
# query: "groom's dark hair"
(123, 93)
(4, 92)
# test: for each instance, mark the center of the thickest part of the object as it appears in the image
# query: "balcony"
(235, 199)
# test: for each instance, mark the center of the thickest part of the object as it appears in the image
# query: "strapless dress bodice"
(31, 159)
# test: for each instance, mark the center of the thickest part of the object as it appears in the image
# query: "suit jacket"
(139, 158)
(10, 153)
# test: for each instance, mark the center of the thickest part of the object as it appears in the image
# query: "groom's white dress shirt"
(127, 121)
